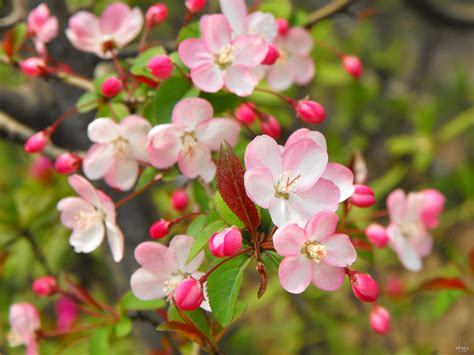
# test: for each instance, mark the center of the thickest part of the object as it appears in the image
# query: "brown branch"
(326, 11)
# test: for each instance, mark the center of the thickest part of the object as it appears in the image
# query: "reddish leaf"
(148, 81)
(230, 183)
(442, 284)
(361, 244)
(263, 280)
(8, 43)
(186, 330)
(471, 261)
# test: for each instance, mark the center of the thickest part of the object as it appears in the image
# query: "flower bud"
(36, 142)
(159, 229)
(67, 163)
(188, 294)
(380, 320)
(245, 113)
(377, 235)
(283, 26)
(67, 312)
(180, 200)
(432, 207)
(271, 127)
(352, 65)
(310, 111)
(364, 286)
(111, 87)
(45, 286)
(226, 243)
(41, 168)
(195, 6)
(394, 286)
(33, 67)
(161, 66)
(272, 55)
(363, 196)
(156, 14)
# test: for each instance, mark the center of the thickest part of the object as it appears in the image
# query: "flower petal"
(98, 160)
(303, 69)
(130, 29)
(322, 196)
(298, 41)
(197, 161)
(295, 273)
(249, 51)
(70, 207)
(280, 76)
(83, 31)
(103, 130)
(340, 251)
(405, 251)
(305, 133)
(194, 53)
(322, 225)
(191, 112)
(264, 152)
(157, 259)
(289, 240)
(123, 174)
(240, 80)
(135, 129)
(114, 17)
(115, 240)
(328, 277)
(163, 145)
(181, 245)
(87, 240)
(213, 132)
(235, 11)
(208, 77)
(284, 212)
(84, 189)
(397, 206)
(342, 177)
(259, 186)
(215, 32)
(146, 285)
(262, 23)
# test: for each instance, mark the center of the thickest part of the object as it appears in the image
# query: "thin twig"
(326, 11)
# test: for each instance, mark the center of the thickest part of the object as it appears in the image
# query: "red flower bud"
(364, 286)
(272, 55)
(67, 163)
(180, 200)
(161, 66)
(377, 235)
(363, 196)
(41, 168)
(156, 14)
(310, 111)
(33, 67)
(352, 65)
(111, 87)
(188, 294)
(159, 229)
(245, 113)
(394, 286)
(283, 26)
(271, 127)
(36, 142)
(195, 6)
(226, 243)
(380, 320)
(45, 286)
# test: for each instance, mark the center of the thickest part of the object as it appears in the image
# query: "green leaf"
(99, 343)
(200, 196)
(222, 102)
(457, 125)
(113, 110)
(87, 102)
(204, 236)
(279, 8)
(145, 177)
(130, 302)
(139, 66)
(198, 317)
(196, 226)
(189, 31)
(167, 96)
(225, 212)
(223, 287)
(271, 259)
(122, 328)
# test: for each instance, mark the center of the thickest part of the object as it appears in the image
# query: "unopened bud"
(195, 6)
(67, 163)
(364, 286)
(45, 286)
(310, 111)
(380, 320)
(377, 235)
(245, 113)
(180, 200)
(36, 142)
(226, 243)
(271, 127)
(161, 66)
(352, 65)
(283, 26)
(188, 294)
(272, 55)
(156, 14)
(363, 196)
(111, 87)
(33, 66)
(159, 229)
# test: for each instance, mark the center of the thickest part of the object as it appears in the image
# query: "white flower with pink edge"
(24, 322)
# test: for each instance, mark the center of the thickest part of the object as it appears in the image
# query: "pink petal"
(303, 69)
(84, 189)
(397, 205)
(213, 132)
(164, 145)
(289, 240)
(298, 41)
(215, 32)
(259, 186)
(340, 251)
(98, 160)
(114, 17)
(115, 240)
(280, 76)
(322, 225)
(48, 31)
(181, 245)
(322, 196)
(264, 152)
(103, 130)
(240, 80)
(305, 133)
(306, 159)
(415, 205)
(84, 32)
(156, 258)
(235, 11)
(284, 211)
(433, 206)
(130, 29)
(208, 77)
(123, 174)
(295, 273)
(194, 53)
(191, 112)
(108, 206)
(406, 252)
(328, 277)
(342, 177)
(70, 207)
(87, 240)
(263, 24)
(197, 161)
(249, 51)
(146, 285)
(422, 242)
(135, 129)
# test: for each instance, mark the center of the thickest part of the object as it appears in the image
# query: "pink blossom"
(295, 181)
(42, 26)
(408, 229)
(217, 59)
(67, 312)
(164, 268)
(105, 35)
(295, 64)
(118, 151)
(24, 322)
(315, 254)
(190, 138)
(90, 216)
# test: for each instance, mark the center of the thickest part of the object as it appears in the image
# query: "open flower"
(164, 268)
(118, 150)
(295, 181)
(190, 138)
(90, 216)
(217, 59)
(410, 218)
(42, 27)
(314, 254)
(117, 26)
(295, 64)
(24, 322)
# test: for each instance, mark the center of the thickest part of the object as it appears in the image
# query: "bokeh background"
(411, 116)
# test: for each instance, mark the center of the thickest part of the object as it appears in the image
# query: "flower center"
(173, 282)
(314, 251)
(85, 220)
(120, 146)
(108, 44)
(225, 57)
(189, 141)
(14, 339)
(283, 58)
(409, 229)
(286, 184)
